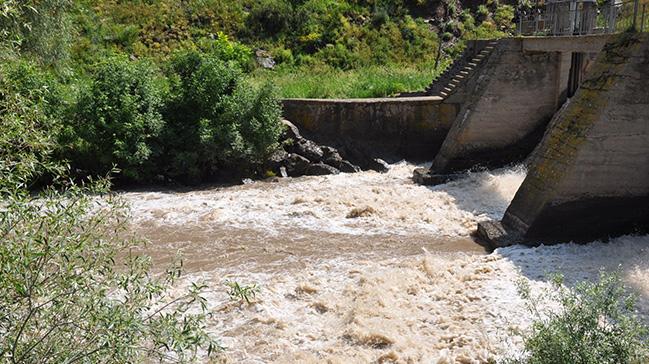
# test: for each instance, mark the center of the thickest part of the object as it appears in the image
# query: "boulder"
(291, 131)
(308, 149)
(330, 153)
(265, 59)
(378, 165)
(333, 158)
(321, 169)
(346, 167)
(296, 165)
(423, 176)
(276, 160)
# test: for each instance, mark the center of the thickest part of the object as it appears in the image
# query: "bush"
(29, 109)
(71, 290)
(65, 299)
(41, 28)
(118, 118)
(215, 120)
(595, 323)
(270, 17)
(504, 17)
(226, 50)
(482, 13)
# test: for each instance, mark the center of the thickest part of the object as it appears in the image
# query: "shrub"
(227, 50)
(215, 120)
(118, 118)
(380, 16)
(504, 17)
(595, 323)
(482, 13)
(39, 27)
(270, 17)
(29, 108)
(71, 290)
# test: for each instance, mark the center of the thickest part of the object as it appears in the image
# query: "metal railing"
(581, 17)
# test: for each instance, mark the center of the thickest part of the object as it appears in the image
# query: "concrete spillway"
(589, 177)
(589, 174)
(511, 101)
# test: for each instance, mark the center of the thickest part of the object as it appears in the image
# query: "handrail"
(582, 17)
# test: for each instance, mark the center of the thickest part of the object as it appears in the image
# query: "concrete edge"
(381, 100)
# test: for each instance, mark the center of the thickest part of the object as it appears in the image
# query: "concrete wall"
(409, 127)
(508, 106)
(589, 177)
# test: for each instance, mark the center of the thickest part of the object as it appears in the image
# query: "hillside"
(188, 90)
(321, 48)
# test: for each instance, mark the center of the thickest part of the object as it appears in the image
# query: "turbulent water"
(366, 267)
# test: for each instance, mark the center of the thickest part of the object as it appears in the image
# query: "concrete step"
(443, 94)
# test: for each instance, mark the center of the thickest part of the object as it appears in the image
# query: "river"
(366, 267)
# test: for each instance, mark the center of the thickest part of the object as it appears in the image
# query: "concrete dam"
(574, 109)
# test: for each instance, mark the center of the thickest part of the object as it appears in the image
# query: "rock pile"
(301, 156)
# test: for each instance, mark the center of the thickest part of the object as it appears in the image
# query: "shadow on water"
(489, 193)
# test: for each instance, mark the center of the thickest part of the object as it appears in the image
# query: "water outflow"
(366, 267)
(366, 203)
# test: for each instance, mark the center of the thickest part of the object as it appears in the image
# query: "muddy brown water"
(364, 268)
(228, 248)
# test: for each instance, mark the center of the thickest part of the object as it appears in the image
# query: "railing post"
(635, 14)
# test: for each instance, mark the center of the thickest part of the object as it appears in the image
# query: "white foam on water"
(394, 204)
(431, 308)
(427, 308)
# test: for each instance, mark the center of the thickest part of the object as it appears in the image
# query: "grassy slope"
(329, 82)
(325, 48)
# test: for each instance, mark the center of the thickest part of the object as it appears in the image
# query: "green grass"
(365, 82)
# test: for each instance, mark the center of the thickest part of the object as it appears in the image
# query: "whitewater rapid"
(367, 267)
(396, 205)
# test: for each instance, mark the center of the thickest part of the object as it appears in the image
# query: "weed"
(241, 292)
(593, 323)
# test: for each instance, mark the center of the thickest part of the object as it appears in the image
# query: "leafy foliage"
(71, 289)
(594, 323)
(42, 28)
(29, 100)
(118, 117)
(270, 18)
(215, 119)
(241, 292)
(66, 300)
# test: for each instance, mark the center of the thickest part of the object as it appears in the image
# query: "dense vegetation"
(396, 41)
(163, 91)
(594, 322)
